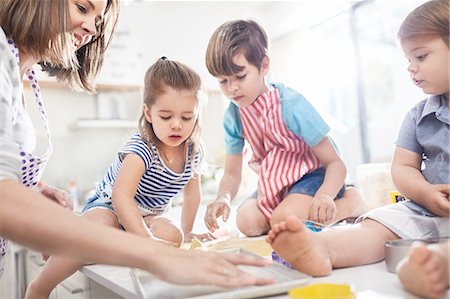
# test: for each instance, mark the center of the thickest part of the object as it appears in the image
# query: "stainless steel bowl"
(396, 250)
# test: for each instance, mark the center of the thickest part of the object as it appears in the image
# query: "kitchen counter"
(370, 281)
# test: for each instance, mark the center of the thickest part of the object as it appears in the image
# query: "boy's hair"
(429, 19)
(163, 74)
(41, 28)
(232, 38)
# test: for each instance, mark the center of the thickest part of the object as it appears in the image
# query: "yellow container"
(323, 291)
(396, 196)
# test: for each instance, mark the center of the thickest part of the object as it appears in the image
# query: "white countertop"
(370, 281)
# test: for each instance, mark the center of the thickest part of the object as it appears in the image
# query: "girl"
(155, 164)
(69, 38)
(423, 139)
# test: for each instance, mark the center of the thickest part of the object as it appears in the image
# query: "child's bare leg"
(165, 229)
(317, 254)
(58, 268)
(425, 271)
(250, 220)
(351, 205)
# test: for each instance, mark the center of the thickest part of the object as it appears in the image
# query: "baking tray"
(149, 287)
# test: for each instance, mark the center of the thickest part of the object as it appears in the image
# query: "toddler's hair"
(429, 19)
(41, 27)
(232, 38)
(163, 74)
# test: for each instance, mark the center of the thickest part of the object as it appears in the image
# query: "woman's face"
(85, 17)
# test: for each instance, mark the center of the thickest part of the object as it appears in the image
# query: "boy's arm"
(124, 190)
(228, 188)
(335, 168)
(191, 202)
(410, 182)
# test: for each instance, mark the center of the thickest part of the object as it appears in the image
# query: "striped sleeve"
(9, 85)
(138, 146)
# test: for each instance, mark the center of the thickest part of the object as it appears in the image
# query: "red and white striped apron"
(280, 157)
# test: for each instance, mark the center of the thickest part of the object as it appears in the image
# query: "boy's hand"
(323, 209)
(439, 200)
(220, 207)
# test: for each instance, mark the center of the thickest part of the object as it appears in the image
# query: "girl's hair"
(163, 74)
(429, 19)
(235, 37)
(40, 27)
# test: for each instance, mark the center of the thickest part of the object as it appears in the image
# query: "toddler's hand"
(323, 209)
(439, 200)
(220, 207)
(60, 196)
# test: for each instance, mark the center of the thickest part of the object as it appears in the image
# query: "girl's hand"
(323, 209)
(220, 207)
(201, 237)
(60, 196)
(209, 268)
(439, 200)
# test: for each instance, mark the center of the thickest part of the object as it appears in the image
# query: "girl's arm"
(191, 202)
(29, 219)
(410, 182)
(124, 190)
(335, 168)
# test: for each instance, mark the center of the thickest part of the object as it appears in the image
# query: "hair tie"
(163, 58)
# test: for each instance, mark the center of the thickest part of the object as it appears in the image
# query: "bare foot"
(425, 271)
(297, 245)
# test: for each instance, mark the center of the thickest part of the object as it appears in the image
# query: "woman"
(68, 39)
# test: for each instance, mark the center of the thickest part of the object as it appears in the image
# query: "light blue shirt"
(297, 113)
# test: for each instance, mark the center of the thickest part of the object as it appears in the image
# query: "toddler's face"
(173, 116)
(428, 64)
(244, 87)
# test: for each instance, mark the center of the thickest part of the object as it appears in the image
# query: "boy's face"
(245, 86)
(428, 64)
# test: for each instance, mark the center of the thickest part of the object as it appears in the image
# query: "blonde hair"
(163, 74)
(232, 38)
(40, 28)
(429, 19)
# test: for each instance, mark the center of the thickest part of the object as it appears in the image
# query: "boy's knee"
(252, 224)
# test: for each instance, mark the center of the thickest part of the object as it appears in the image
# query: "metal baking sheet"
(149, 287)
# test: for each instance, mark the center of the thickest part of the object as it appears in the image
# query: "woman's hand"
(60, 196)
(209, 268)
(220, 207)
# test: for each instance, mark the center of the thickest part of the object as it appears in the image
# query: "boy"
(300, 172)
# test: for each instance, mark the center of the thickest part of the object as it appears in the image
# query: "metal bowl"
(396, 250)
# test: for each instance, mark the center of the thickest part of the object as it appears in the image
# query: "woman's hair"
(232, 38)
(163, 74)
(429, 19)
(40, 27)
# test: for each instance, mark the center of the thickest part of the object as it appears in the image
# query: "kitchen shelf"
(94, 123)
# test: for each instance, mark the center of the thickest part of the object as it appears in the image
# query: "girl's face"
(85, 16)
(173, 116)
(244, 87)
(428, 64)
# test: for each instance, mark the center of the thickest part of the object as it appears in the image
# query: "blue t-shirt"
(297, 113)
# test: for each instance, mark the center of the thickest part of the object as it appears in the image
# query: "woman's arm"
(124, 190)
(27, 218)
